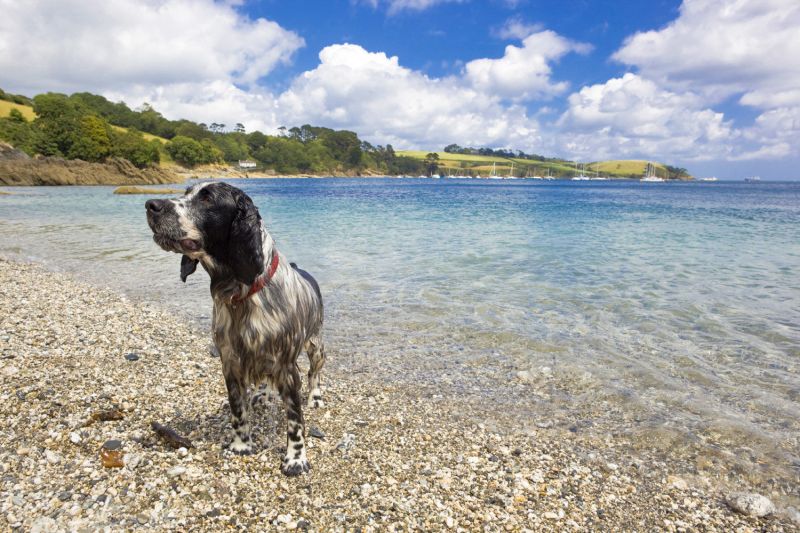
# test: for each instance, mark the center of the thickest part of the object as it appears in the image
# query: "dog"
(266, 310)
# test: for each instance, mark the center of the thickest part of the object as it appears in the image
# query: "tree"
(132, 146)
(91, 141)
(239, 127)
(431, 163)
(185, 151)
(15, 115)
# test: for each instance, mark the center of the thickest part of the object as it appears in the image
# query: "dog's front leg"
(240, 411)
(295, 462)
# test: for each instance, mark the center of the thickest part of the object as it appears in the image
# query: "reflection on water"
(669, 314)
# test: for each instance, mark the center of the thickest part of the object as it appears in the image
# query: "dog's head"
(215, 223)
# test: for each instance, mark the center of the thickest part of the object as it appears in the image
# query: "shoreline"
(416, 463)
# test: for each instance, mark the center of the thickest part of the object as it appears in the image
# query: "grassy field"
(478, 164)
(625, 167)
(6, 107)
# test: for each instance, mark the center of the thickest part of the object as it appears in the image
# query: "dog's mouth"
(171, 244)
(190, 245)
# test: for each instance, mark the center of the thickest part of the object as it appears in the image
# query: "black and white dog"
(266, 310)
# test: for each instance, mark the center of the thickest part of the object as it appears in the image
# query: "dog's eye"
(205, 196)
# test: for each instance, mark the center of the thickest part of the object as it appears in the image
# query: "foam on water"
(668, 313)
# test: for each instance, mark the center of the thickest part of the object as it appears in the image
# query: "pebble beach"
(87, 371)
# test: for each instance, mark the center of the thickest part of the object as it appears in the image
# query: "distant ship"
(712, 178)
(752, 179)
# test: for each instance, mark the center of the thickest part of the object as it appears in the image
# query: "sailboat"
(650, 174)
(597, 177)
(511, 175)
(493, 175)
(581, 176)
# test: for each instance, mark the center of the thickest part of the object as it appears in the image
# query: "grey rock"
(751, 504)
(132, 356)
(348, 441)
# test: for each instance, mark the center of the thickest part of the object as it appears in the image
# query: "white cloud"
(397, 6)
(516, 28)
(523, 72)
(725, 47)
(371, 93)
(112, 45)
(633, 117)
(716, 49)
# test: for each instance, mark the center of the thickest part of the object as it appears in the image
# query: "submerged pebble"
(751, 504)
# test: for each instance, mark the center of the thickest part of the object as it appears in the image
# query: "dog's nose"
(154, 206)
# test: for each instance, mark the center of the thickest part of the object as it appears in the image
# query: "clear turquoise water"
(641, 310)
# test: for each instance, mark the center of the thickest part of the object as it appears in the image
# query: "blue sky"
(710, 85)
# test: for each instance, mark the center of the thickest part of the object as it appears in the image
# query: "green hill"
(482, 165)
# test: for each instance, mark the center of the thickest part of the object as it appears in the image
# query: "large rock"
(58, 171)
(9, 153)
(751, 504)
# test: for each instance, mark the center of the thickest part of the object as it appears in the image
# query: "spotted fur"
(259, 338)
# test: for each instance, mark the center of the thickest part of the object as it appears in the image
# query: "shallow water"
(669, 313)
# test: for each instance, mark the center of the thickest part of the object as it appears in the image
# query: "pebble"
(74, 438)
(348, 441)
(751, 504)
(52, 457)
(112, 445)
(132, 356)
(176, 471)
(678, 483)
(182, 452)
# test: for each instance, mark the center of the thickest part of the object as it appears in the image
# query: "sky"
(709, 85)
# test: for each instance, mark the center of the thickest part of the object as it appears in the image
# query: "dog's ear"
(245, 251)
(188, 266)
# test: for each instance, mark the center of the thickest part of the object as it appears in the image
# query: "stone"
(112, 445)
(348, 441)
(316, 433)
(132, 356)
(74, 438)
(677, 483)
(52, 457)
(176, 471)
(750, 504)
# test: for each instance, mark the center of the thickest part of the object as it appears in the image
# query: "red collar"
(261, 281)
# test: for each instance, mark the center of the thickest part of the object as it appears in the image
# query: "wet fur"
(259, 338)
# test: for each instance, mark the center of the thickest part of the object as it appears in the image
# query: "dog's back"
(309, 278)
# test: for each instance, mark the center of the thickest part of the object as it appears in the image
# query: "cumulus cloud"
(725, 47)
(71, 45)
(716, 49)
(524, 71)
(373, 94)
(631, 116)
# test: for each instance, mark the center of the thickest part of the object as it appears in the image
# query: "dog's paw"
(295, 467)
(315, 401)
(240, 448)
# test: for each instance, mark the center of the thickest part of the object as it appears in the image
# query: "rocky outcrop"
(16, 168)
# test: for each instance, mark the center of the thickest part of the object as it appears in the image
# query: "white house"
(247, 164)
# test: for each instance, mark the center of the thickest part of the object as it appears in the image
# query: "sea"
(662, 319)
